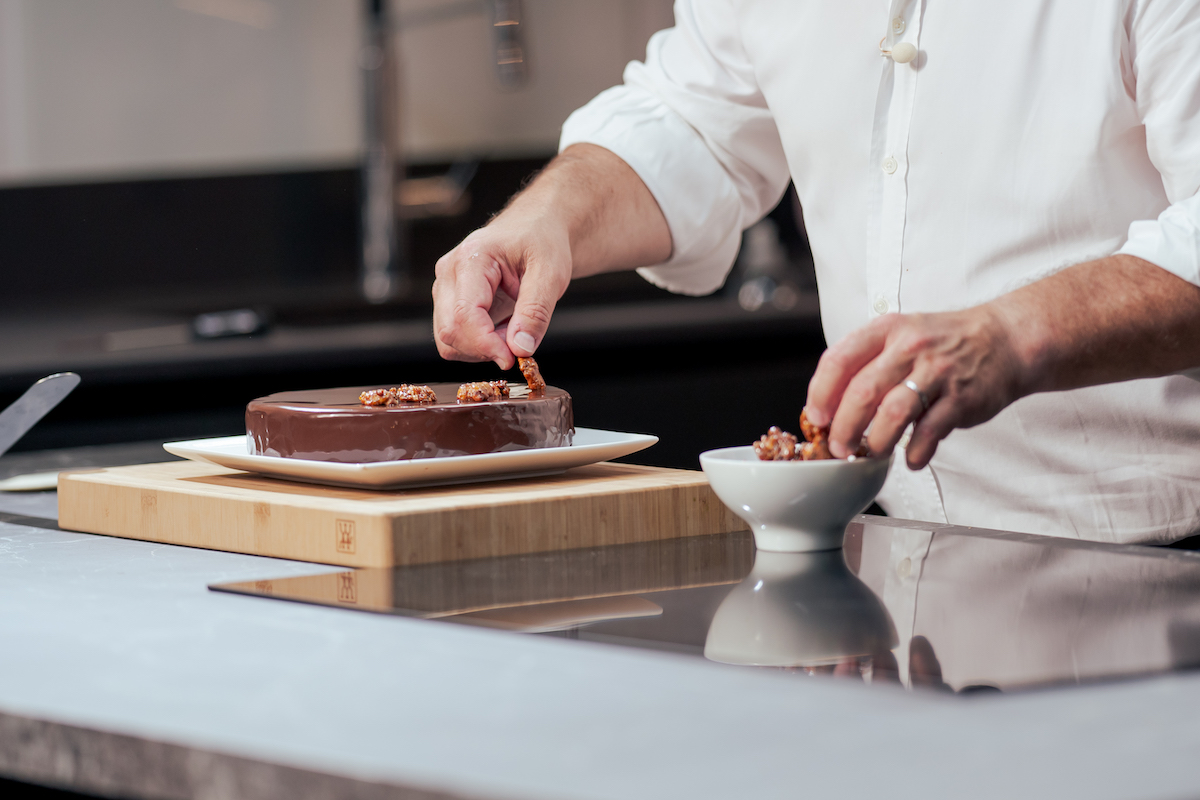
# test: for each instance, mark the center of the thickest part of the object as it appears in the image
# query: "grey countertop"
(121, 674)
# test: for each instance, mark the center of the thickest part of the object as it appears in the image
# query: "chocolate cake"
(334, 425)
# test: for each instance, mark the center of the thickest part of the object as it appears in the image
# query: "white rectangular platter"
(590, 446)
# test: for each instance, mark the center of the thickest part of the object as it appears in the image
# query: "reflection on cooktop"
(922, 605)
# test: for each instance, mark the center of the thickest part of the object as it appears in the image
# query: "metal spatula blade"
(37, 402)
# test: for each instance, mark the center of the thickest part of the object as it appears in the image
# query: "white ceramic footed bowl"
(794, 506)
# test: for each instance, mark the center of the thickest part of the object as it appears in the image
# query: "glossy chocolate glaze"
(331, 425)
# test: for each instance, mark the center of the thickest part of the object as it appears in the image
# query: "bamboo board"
(200, 505)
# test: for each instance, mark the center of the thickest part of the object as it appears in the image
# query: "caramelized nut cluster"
(779, 445)
(811, 432)
(482, 391)
(776, 445)
(404, 394)
(533, 376)
(816, 446)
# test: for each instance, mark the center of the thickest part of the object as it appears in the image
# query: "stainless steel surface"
(37, 402)
(927, 606)
(37, 471)
(124, 677)
(94, 456)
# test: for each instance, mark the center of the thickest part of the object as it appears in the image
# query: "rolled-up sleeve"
(1164, 36)
(693, 124)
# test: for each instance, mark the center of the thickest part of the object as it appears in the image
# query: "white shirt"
(1026, 137)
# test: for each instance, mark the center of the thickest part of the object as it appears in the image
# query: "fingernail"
(815, 417)
(525, 341)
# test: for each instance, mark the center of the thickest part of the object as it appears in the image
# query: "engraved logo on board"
(265, 587)
(345, 536)
(347, 587)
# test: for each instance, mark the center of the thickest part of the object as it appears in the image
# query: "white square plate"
(591, 446)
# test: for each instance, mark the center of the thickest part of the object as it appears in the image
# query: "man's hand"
(587, 213)
(1115, 319)
(963, 361)
(495, 292)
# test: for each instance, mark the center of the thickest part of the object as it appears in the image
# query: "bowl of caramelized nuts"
(796, 497)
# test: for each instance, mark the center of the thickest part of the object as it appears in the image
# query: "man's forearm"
(612, 220)
(1110, 320)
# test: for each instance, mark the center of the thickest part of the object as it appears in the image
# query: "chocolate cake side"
(332, 425)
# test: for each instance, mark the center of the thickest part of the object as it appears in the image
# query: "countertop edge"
(82, 759)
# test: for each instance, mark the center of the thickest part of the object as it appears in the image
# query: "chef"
(1002, 202)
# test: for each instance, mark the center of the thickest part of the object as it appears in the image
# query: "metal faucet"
(387, 199)
(508, 46)
(384, 273)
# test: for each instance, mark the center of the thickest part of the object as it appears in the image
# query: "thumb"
(539, 292)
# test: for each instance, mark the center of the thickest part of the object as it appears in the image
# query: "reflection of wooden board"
(454, 588)
(201, 505)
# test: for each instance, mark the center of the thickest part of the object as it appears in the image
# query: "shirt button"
(889, 165)
(898, 26)
(880, 305)
(904, 568)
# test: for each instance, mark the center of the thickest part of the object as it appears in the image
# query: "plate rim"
(637, 437)
(366, 474)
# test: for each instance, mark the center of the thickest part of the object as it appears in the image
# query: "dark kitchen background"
(180, 192)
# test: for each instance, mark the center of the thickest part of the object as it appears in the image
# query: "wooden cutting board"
(200, 505)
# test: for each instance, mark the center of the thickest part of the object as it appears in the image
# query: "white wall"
(576, 49)
(97, 89)
(93, 88)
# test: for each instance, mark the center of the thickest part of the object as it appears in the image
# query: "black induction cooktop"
(937, 607)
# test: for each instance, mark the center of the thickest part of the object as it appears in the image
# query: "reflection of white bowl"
(794, 506)
(798, 609)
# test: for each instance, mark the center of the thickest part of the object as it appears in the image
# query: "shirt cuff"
(1172, 241)
(700, 203)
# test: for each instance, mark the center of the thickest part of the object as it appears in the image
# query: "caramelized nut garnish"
(533, 376)
(777, 445)
(482, 391)
(404, 394)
